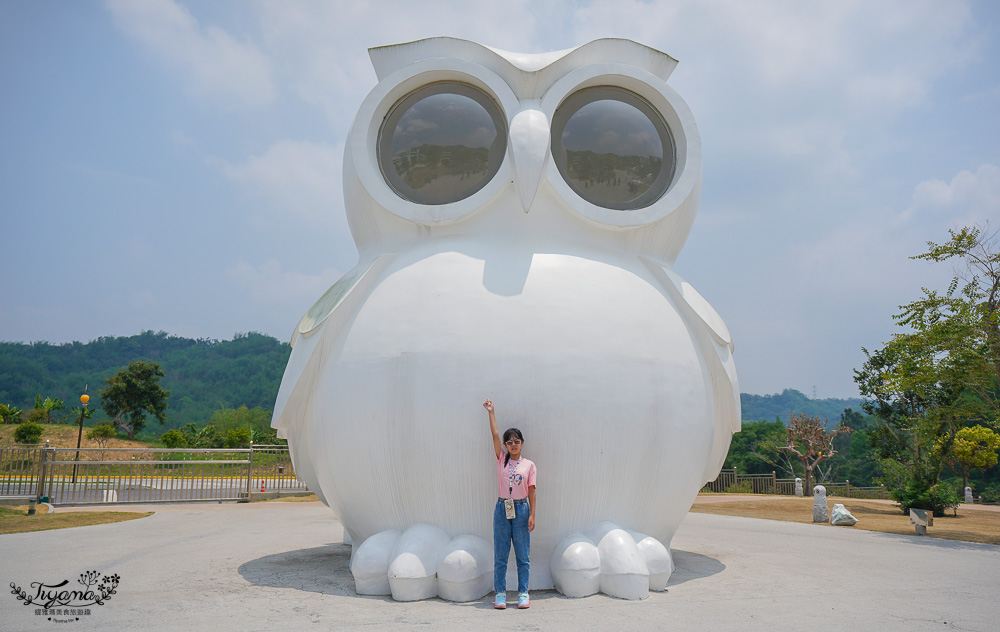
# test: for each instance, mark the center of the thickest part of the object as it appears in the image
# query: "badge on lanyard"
(508, 503)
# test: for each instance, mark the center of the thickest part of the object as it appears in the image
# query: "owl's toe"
(659, 562)
(576, 566)
(465, 572)
(423, 562)
(612, 560)
(370, 563)
(413, 562)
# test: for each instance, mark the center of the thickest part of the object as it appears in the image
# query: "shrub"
(919, 495)
(991, 494)
(9, 414)
(174, 439)
(38, 416)
(102, 433)
(238, 438)
(27, 432)
(207, 437)
(743, 487)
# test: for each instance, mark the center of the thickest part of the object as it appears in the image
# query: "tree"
(974, 448)
(101, 434)
(238, 438)
(27, 432)
(174, 439)
(81, 411)
(854, 459)
(937, 376)
(979, 253)
(752, 449)
(37, 415)
(207, 437)
(860, 466)
(9, 414)
(133, 393)
(808, 440)
(256, 421)
(49, 405)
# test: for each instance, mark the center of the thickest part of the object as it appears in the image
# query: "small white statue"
(820, 511)
(798, 487)
(968, 495)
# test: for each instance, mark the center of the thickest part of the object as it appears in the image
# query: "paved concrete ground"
(281, 566)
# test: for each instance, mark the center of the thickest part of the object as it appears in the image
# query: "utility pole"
(79, 437)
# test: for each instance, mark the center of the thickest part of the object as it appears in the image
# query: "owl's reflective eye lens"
(613, 148)
(441, 143)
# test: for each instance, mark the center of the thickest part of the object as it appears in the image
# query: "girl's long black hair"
(507, 434)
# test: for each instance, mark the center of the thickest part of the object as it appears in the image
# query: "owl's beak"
(529, 146)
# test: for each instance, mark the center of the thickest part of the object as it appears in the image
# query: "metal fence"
(19, 469)
(83, 476)
(730, 481)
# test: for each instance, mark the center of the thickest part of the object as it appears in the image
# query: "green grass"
(15, 519)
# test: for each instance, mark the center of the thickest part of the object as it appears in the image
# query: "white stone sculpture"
(821, 513)
(968, 495)
(798, 487)
(517, 218)
(841, 517)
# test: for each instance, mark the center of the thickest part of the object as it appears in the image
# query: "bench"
(921, 519)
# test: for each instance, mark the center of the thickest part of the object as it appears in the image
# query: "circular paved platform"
(282, 566)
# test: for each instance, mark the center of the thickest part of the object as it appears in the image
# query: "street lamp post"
(79, 437)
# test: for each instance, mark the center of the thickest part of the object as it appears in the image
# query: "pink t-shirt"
(523, 477)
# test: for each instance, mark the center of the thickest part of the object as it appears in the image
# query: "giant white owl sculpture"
(517, 218)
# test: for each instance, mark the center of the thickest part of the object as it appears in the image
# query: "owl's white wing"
(316, 331)
(717, 349)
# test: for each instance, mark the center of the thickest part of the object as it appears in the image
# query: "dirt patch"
(15, 519)
(972, 524)
(64, 436)
(311, 498)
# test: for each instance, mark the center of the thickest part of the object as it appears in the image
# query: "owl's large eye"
(613, 148)
(441, 143)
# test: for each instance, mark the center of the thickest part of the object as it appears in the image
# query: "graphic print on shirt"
(512, 476)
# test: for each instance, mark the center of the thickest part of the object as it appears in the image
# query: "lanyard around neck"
(511, 470)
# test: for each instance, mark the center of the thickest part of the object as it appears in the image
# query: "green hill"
(202, 375)
(783, 404)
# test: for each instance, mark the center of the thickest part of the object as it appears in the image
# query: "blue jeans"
(506, 531)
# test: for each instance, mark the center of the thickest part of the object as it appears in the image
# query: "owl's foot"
(612, 560)
(423, 562)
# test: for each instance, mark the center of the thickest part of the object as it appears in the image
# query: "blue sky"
(172, 165)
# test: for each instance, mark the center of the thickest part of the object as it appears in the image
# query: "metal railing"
(19, 469)
(730, 481)
(151, 475)
(272, 466)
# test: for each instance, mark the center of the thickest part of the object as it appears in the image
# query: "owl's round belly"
(590, 360)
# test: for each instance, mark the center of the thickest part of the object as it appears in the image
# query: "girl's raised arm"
(497, 443)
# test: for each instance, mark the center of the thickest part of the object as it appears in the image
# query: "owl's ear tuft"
(388, 59)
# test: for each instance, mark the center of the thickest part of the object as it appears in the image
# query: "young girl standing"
(514, 513)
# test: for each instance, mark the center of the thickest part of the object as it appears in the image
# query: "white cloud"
(322, 47)
(299, 179)
(815, 144)
(211, 62)
(181, 138)
(970, 198)
(859, 254)
(799, 86)
(270, 284)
